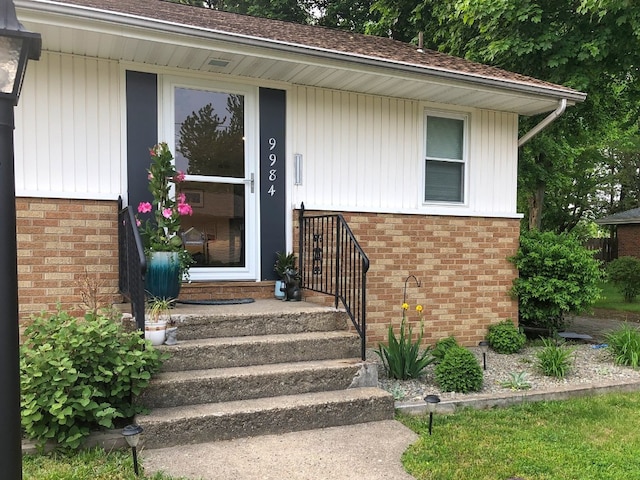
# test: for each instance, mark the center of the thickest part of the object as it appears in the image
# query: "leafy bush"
(459, 371)
(401, 358)
(504, 337)
(554, 359)
(78, 374)
(624, 273)
(442, 347)
(557, 276)
(624, 343)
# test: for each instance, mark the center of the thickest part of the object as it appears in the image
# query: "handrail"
(332, 262)
(132, 263)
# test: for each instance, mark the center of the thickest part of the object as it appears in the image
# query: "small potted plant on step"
(288, 287)
(156, 319)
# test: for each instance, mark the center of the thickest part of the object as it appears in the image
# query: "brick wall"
(62, 246)
(629, 240)
(461, 263)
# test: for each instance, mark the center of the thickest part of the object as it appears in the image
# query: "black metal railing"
(332, 262)
(132, 263)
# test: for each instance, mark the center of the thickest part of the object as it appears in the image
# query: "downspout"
(543, 124)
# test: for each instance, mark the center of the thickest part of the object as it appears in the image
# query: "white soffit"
(150, 46)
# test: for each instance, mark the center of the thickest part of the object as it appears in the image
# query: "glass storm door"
(211, 148)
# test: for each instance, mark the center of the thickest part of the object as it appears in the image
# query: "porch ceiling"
(198, 52)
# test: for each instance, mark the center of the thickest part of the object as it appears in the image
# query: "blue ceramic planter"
(162, 279)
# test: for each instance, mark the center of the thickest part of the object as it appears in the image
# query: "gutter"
(117, 19)
(544, 123)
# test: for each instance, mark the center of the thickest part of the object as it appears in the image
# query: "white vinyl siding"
(68, 129)
(366, 153)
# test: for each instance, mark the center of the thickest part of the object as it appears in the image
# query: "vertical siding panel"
(56, 122)
(25, 135)
(66, 162)
(351, 114)
(375, 170)
(362, 164)
(80, 117)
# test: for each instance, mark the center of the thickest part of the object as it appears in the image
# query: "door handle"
(251, 182)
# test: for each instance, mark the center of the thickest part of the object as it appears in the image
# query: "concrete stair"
(268, 368)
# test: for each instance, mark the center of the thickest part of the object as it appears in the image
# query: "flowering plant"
(402, 357)
(160, 232)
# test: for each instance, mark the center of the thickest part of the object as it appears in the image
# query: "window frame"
(464, 188)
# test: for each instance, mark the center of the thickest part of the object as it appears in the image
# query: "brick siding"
(629, 240)
(62, 245)
(461, 263)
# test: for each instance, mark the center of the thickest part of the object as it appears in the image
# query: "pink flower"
(185, 209)
(182, 198)
(138, 222)
(179, 177)
(150, 176)
(167, 212)
(152, 152)
(144, 207)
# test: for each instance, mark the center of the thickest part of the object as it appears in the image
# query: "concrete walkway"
(369, 451)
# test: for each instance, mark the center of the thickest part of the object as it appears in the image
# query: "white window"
(445, 158)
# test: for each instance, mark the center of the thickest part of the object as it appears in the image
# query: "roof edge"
(91, 13)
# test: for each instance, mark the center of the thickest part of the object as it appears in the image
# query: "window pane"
(444, 137)
(444, 181)
(209, 133)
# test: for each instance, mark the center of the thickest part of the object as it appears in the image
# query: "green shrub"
(442, 347)
(79, 374)
(557, 275)
(401, 357)
(504, 337)
(624, 343)
(624, 273)
(459, 371)
(554, 360)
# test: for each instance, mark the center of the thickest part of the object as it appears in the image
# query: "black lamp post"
(131, 434)
(17, 47)
(484, 347)
(432, 403)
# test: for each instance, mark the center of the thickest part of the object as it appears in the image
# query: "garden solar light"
(131, 434)
(484, 346)
(432, 403)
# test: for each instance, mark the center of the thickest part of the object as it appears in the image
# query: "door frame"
(166, 130)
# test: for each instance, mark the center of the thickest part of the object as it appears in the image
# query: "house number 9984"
(273, 173)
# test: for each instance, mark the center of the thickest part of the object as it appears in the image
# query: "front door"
(215, 148)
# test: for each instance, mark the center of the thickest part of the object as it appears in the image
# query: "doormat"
(228, 301)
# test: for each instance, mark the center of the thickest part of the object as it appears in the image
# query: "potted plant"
(288, 287)
(167, 260)
(156, 318)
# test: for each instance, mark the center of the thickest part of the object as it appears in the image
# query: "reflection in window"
(209, 129)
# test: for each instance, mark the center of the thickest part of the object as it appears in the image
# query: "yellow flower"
(405, 306)
(419, 308)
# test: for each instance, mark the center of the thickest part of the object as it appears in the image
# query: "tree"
(589, 45)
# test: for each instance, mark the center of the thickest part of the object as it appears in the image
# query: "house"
(417, 150)
(625, 228)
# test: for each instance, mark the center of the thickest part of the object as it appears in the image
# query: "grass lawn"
(87, 465)
(582, 439)
(613, 300)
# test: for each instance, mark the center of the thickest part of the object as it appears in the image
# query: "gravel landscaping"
(591, 364)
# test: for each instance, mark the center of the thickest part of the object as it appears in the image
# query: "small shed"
(625, 232)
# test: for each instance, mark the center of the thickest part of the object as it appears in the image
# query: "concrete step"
(229, 352)
(172, 389)
(165, 427)
(236, 323)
